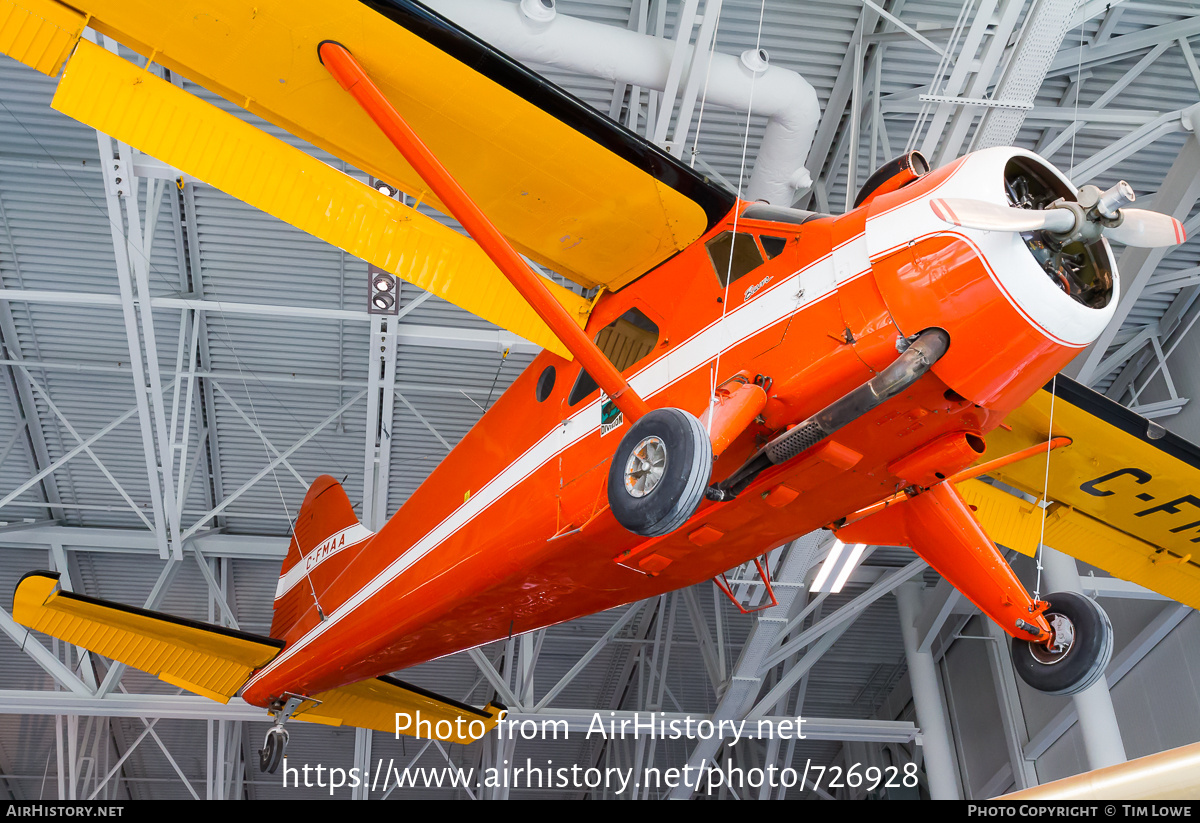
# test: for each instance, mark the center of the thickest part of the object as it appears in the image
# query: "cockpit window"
(773, 246)
(624, 342)
(737, 257)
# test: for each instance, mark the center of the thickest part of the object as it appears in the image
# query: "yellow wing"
(39, 33)
(569, 187)
(1122, 491)
(393, 706)
(208, 660)
(116, 97)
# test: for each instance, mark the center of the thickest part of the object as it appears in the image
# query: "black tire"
(271, 754)
(1085, 658)
(685, 470)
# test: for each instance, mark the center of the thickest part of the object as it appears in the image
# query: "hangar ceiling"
(260, 362)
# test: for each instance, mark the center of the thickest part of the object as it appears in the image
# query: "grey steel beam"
(33, 647)
(961, 117)
(747, 676)
(241, 377)
(1012, 716)
(83, 446)
(1116, 48)
(839, 97)
(1177, 195)
(412, 334)
(956, 81)
(121, 187)
(928, 700)
(254, 427)
(848, 612)
(1128, 145)
(137, 541)
(1041, 39)
(195, 527)
(66, 424)
(939, 605)
(1047, 146)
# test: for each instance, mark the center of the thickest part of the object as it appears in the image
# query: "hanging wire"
(712, 50)
(939, 75)
(1037, 589)
(721, 331)
(503, 357)
(1078, 89)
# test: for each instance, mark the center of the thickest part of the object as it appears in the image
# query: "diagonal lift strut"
(354, 79)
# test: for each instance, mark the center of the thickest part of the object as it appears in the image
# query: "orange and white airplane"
(745, 374)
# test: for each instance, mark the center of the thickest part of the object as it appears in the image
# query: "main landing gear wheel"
(1082, 647)
(659, 473)
(271, 754)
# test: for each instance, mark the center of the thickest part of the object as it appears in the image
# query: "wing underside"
(1124, 495)
(395, 707)
(569, 187)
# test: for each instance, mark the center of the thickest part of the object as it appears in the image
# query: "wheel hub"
(645, 466)
(1063, 631)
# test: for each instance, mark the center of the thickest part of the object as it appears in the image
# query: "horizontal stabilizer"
(1123, 494)
(375, 704)
(208, 660)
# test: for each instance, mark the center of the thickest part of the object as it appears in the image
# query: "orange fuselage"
(512, 531)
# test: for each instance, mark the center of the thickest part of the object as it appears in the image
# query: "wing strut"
(354, 79)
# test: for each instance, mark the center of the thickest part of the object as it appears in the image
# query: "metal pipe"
(1170, 775)
(786, 99)
(902, 373)
(905, 370)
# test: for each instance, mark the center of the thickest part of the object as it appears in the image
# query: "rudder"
(324, 527)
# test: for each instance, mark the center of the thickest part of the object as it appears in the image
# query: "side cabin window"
(773, 246)
(733, 255)
(624, 342)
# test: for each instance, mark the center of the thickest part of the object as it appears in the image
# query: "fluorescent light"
(851, 562)
(827, 566)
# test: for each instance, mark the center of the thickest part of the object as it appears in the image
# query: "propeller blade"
(978, 214)
(1147, 229)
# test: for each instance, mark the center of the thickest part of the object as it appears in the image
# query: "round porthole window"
(545, 383)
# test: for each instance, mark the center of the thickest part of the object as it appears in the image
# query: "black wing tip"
(1123, 418)
(458, 704)
(715, 200)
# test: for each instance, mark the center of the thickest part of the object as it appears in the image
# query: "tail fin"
(324, 527)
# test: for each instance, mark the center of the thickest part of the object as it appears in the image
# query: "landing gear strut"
(1077, 655)
(275, 744)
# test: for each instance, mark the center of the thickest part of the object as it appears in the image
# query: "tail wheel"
(659, 473)
(271, 754)
(1082, 647)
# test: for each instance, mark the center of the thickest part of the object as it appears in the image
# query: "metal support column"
(927, 697)
(1097, 719)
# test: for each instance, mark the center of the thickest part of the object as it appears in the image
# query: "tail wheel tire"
(271, 754)
(659, 472)
(1081, 651)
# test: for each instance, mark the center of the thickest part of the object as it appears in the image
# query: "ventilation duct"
(785, 98)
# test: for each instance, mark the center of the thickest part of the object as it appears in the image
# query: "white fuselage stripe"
(347, 538)
(734, 328)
